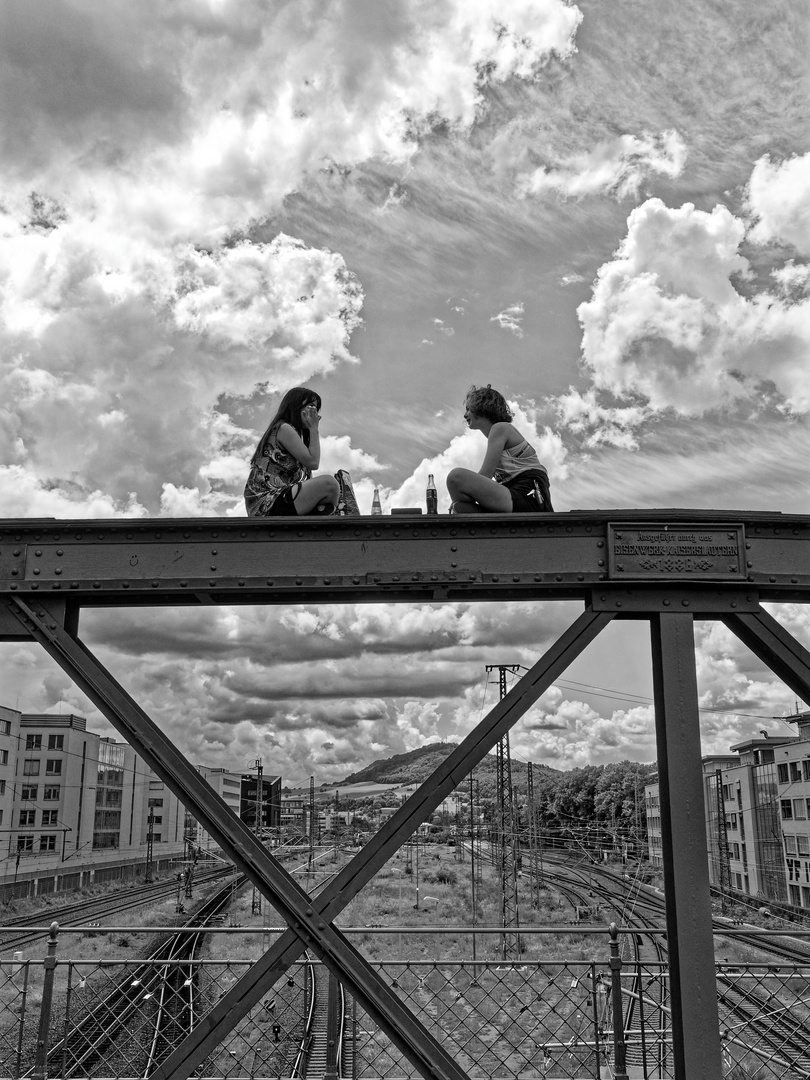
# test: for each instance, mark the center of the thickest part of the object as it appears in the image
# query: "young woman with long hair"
(280, 480)
(511, 480)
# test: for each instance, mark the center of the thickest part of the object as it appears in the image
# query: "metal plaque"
(690, 552)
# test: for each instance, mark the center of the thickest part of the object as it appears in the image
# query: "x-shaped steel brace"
(310, 919)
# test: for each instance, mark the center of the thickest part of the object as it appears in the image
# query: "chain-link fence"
(534, 1018)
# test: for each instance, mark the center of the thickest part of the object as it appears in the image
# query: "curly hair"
(486, 402)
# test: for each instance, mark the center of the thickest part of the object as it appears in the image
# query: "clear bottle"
(432, 496)
(376, 505)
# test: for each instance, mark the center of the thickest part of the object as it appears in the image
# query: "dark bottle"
(432, 496)
(376, 506)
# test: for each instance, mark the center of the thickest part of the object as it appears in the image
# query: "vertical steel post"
(332, 1030)
(49, 965)
(617, 1008)
(693, 988)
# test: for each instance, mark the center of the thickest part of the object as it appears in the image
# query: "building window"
(156, 802)
(782, 772)
(803, 843)
(51, 792)
(786, 807)
(29, 791)
(47, 843)
(49, 817)
(806, 769)
(794, 869)
(736, 851)
(56, 742)
(28, 817)
(3, 757)
(25, 843)
(157, 820)
(805, 896)
(157, 838)
(790, 845)
(5, 727)
(33, 742)
(105, 840)
(799, 810)
(795, 771)
(53, 766)
(31, 767)
(795, 896)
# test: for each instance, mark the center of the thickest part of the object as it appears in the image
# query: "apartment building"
(757, 812)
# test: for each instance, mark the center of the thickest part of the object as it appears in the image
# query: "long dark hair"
(486, 402)
(289, 412)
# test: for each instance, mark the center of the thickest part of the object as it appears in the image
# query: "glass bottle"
(432, 496)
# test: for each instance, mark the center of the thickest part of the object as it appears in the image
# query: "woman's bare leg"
(318, 495)
(467, 487)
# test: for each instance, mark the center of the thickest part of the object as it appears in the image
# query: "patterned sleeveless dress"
(273, 472)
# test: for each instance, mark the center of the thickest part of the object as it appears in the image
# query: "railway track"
(155, 999)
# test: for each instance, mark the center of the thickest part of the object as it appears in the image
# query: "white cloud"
(510, 319)
(665, 323)
(618, 167)
(778, 196)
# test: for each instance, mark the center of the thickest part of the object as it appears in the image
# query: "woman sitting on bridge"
(280, 480)
(511, 480)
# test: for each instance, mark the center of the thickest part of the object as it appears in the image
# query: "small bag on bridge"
(347, 503)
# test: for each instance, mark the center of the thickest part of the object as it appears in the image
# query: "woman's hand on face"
(310, 417)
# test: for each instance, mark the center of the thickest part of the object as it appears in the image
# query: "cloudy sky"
(602, 209)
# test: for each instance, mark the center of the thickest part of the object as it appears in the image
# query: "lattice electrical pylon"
(311, 823)
(508, 850)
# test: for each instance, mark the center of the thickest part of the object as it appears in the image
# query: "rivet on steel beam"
(748, 598)
(158, 536)
(212, 582)
(154, 584)
(35, 586)
(74, 584)
(125, 584)
(794, 581)
(733, 603)
(214, 535)
(588, 529)
(569, 528)
(298, 581)
(59, 551)
(396, 577)
(37, 570)
(214, 551)
(57, 585)
(538, 577)
(600, 543)
(17, 551)
(454, 532)
(300, 532)
(495, 577)
(667, 603)
(618, 603)
(240, 583)
(580, 577)
(600, 562)
(129, 536)
(14, 573)
(516, 577)
(513, 530)
(38, 551)
(558, 577)
(183, 584)
(243, 534)
(748, 545)
(772, 577)
(270, 581)
(96, 584)
(41, 614)
(13, 586)
(749, 564)
(685, 603)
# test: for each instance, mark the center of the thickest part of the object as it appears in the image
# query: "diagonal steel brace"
(306, 917)
(771, 642)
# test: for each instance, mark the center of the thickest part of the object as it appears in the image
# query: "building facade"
(757, 813)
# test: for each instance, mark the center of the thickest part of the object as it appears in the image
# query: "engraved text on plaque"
(691, 552)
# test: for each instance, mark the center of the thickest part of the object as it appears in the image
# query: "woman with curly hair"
(280, 480)
(511, 480)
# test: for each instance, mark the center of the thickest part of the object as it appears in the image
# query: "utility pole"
(724, 870)
(508, 850)
(336, 825)
(472, 872)
(256, 897)
(535, 848)
(150, 840)
(310, 866)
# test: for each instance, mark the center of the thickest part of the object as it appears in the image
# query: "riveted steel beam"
(404, 559)
(771, 642)
(696, 1047)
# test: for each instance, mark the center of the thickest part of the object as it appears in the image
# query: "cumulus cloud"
(666, 326)
(618, 167)
(778, 197)
(510, 319)
(92, 341)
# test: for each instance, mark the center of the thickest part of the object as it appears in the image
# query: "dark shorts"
(284, 505)
(524, 490)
